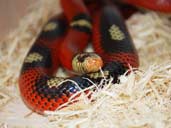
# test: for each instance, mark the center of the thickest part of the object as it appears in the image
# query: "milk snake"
(66, 35)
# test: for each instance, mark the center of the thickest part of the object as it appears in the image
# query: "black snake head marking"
(86, 63)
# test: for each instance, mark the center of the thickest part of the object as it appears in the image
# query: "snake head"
(86, 63)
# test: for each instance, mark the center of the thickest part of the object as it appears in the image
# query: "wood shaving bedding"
(141, 100)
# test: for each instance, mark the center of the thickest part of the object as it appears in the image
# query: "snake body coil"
(65, 36)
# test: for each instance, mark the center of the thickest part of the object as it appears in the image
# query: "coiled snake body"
(61, 39)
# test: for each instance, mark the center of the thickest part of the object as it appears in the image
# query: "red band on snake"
(156, 5)
(61, 39)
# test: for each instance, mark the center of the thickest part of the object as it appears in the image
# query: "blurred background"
(10, 13)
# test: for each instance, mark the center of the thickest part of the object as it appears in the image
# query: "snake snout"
(86, 63)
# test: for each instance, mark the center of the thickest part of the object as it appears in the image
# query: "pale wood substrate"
(141, 100)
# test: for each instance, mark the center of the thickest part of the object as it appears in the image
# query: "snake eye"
(86, 63)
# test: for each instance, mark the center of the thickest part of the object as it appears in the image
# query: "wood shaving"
(141, 100)
(4, 98)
